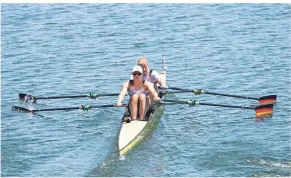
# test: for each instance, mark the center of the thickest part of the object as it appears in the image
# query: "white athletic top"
(149, 77)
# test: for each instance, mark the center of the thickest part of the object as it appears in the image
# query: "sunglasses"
(136, 73)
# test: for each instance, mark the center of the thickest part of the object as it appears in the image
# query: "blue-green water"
(68, 49)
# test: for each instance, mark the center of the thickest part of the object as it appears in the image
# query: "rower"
(150, 75)
(137, 89)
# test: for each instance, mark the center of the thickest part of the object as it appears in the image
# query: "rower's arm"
(122, 92)
(152, 90)
(160, 78)
(161, 81)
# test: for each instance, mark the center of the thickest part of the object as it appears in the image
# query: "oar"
(261, 110)
(171, 92)
(270, 99)
(82, 107)
(25, 97)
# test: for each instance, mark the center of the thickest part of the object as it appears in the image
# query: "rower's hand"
(157, 98)
(118, 104)
(165, 87)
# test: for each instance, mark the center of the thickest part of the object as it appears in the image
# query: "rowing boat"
(131, 134)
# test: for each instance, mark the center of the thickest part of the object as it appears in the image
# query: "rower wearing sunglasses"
(138, 89)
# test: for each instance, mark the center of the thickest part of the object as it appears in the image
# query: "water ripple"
(72, 49)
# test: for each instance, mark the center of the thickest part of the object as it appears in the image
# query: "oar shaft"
(110, 94)
(172, 92)
(83, 107)
(107, 106)
(77, 96)
(175, 101)
(226, 106)
(193, 103)
(214, 93)
(181, 89)
(71, 108)
(59, 97)
(54, 109)
(228, 95)
(26, 97)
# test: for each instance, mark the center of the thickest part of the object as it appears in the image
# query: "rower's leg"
(148, 104)
(142, 106)
(133, 106)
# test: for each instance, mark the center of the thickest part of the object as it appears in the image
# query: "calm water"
(69, 49)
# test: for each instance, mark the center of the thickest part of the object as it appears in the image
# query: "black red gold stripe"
(271, 99)
(264, 110)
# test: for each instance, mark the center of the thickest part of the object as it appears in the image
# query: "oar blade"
(270, 99)
(25, 97)
(21, 109)
(22, 96)
(264, 111)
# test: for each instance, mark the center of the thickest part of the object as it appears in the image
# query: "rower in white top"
(149, 75)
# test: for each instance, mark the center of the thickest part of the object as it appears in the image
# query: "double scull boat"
(132, 133)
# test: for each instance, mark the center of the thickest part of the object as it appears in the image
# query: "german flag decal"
(271, 99)
(264, 110)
